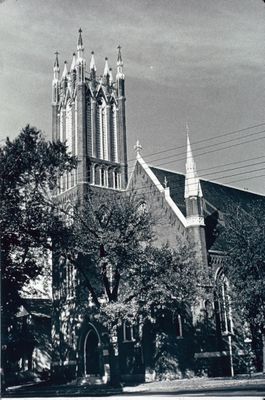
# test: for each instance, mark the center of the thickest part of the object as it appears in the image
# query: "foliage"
(127, 276)
(166, 358)
(29, 168)
(245, 267)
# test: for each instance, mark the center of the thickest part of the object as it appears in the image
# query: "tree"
(245, 267)
(29, 169)
(129, 279)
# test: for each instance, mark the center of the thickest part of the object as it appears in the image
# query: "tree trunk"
(115, 379)
(263, 352)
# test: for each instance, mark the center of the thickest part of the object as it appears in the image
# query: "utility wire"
(210, 151)
(205, 140)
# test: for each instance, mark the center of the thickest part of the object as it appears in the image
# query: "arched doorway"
(92, 353)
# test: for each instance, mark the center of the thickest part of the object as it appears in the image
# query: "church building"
(89, 113)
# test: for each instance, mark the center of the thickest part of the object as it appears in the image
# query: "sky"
(199, 62)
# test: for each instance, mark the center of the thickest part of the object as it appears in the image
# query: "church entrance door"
(92, 353)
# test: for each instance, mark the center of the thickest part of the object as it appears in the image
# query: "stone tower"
(88, 112)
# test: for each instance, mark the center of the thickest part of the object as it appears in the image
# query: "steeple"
(80, 47)
(80, 62)
(106, 68)
(92, 62)
(119, 59)
(192, 182)
(56, 81)
(73, 65)
(194, 206)
(56, 68)
(64, 74)
(120, 74)
(110, 76)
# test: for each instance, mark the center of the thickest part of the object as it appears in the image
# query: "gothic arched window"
(113, 134)
(97, 175)
(99, 131)
(68, 127)
(116, 180)
(102, 174)
(224, 309)
(110, 177)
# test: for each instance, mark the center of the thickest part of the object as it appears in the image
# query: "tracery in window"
(224, 303)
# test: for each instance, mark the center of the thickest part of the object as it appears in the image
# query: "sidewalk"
(197, 386)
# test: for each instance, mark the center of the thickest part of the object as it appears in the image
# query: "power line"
(245, 179)
(212, 151)
(231, 163)
(206, 139)
(181, 187)
(236, 144)
(232, 169)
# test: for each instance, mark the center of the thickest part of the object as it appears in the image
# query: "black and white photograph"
(132, 212)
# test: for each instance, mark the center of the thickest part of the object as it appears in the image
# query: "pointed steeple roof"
(64, 74)
(73, 65)
(56, 62)
(110, 76)
(120, 74)
(106, 68)
(80, 47)
(80, 40)
(119, 59)
(56, 68)
(192, 182)
(92, 62)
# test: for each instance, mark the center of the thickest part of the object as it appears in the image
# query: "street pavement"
(185, 388)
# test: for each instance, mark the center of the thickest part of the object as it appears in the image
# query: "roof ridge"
(211, 181)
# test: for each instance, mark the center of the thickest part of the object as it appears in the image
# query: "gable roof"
(217, 200)
(217, 194)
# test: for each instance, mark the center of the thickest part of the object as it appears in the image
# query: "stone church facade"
(88, 112)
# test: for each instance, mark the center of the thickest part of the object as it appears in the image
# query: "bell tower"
(89, 114)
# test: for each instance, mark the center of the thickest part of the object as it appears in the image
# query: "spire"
(64, 70)
(92, 62)
(119, 59)
(106, 68)
(56, 68)
(110, 76)
(56, 62)
(80, 40)
(192, 182)
(120, 74)
(73, 65)
(80, 47)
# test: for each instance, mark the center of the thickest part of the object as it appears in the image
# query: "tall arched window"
(113, 134)
(68, 127)
(97, 175)
(105, 152)
(99, 130)
(102, 175)
(110, 177)
(116, 180)
(224, 308)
